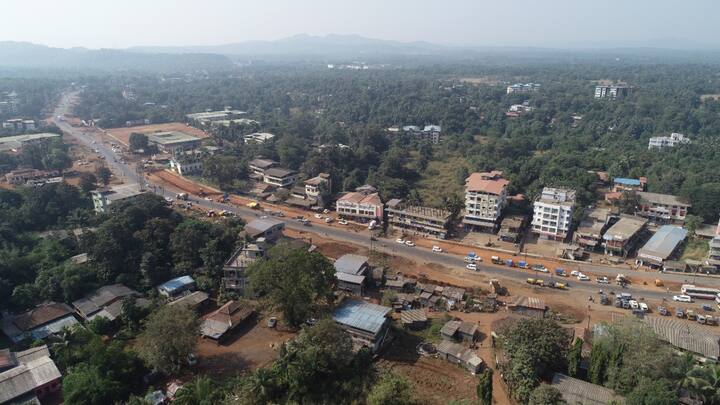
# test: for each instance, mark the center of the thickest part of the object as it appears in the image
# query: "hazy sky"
(124, 23)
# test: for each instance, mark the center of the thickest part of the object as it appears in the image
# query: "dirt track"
(123, 134)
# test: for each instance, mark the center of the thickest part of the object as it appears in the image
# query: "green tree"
(485, 387)
(295, 281)
(138, 141)
(692, 222)
(57, 159)
(653, 392)
(103, 174)
(574, 358)
(87, 182)
(545, 394)
(200, 391)
(170, 335)
(391, 390)
(704, 383)
(224, 170)
(87, 385)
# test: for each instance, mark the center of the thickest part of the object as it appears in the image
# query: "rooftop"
(488, 182)
(213, 114)
(687, 336)
(349, 278)
(261, 225)
(262, 163)
(560, 196)
(120, 192)
(664, 242)
(40, 315)
(193, 299)
(627, 182)
(36, 368)
(575, 391)
(171, 137)
(101, 297)
(10, 142)
(664, 199)
(415, 210)
(175, 284)
(361, 315)
(360, 198)
(351, 264)
(225, 318)
(279, 172)
(413, 315)
(530, 302)
(625, 228)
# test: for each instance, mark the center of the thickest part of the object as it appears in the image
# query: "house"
(103, 198)
(552, 213)
(19, 124)
(714, 252)
(512, 227)
(224, 320)
(351, 271)
(22, 176)
(106, 302)
(485, 198)
(620, 239)
(578, 392)
(689, 337)
(279, 177)
(425, 220)
(176, 287)
(413, 319)
(621, 184)
(661, 245)
(612, 91)
(458, 354)
(522, 88)
(399, 283)
(192, 300)
(589, 233)
(662, 142)
(18, 142)
(528, 306)
(361, 206)
(173, 142)
(268, 228)
(366, 323)
(187, 164)
(258, 166)
(44, 320)
(234, 270)
(258, 137)
(662, 207)
(27, 376)
(430, 133)
(465, 331)
(315, 186)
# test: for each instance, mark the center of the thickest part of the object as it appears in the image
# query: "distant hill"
(24, 54)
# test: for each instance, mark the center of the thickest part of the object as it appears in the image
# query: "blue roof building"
(626, 182)
(176, 286)
(366, 323)
(662, 245)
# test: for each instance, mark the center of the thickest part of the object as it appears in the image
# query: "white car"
(644, 307)
(328, 220)
(582, 277)
(574, 273)
(342, 222)
(682, 298)
(471, 266)
(437, 249)
(400, 241)
(602, 280)
(634, 304)
(409, 243)
(318, 216)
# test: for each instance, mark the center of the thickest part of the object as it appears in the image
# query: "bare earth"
(122, 135)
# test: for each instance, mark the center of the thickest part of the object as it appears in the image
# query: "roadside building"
(267, 228)
(360, 206)
(351, 271)
(458, 354)
(589, 233)
(621, 184)
(689, 337)
(103, 198)
(44, 320)
(714, 252)
(662, 142)
(279, 177)
(522, 88)
(18, 142)
(27, 376)
(258, 166)
(517, 110)
(218, 324)
(176, 287)
(315, 186)
(235, 269)
(465, 331)
(187, 164)
(661, 246)
(528, 306)
(622, 237)
(258, 137)
(662, 207)
(578, 392)
(106, 302)
(553, 211)
(485, 198)
(23, 176)
(19, 124)
(511, 228)
(366, 323)
(173, 142)
(424, 220)
(612, 91)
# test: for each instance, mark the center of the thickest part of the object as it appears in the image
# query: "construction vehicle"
(253, 204)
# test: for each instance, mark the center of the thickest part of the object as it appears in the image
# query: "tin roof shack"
(622, 184)
(193, 300)
(27, 375)
(465, 331)
(177, 286)
(400, 283)
(687, 336)
(234, 270)
(511, 228)
(581, 392)
(413, 319)
(458, 354)
(350, 271)
(38, 323)
(106, 302)
(424, 220)
(589, 233)
(366, 323)
(662, 245)
(528, 306)
(221, 322)
(622, 237)
(268, 228)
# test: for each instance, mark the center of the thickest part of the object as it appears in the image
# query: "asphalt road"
(389, 246)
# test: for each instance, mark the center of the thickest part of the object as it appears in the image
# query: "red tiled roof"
(492, 182)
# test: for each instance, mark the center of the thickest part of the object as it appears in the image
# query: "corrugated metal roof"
(361, 315)
(413, 315)
(351, 264)
(349, 278)
(35, 369)
(626, 182)
(176, 284)
(261, 225)
(576, 391)
(192, 299)
(690, 337)
(664, 242)
(530, 302)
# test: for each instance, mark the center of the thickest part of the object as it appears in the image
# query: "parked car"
(496, 260)
(471, 266)
(602, 280)
(400, 241)
(318, 216)
(271, 322)
(574, 273)
(342, 222)
(707, 308)
(644, 307)
(634, 304)
(582, 277)
(663, 311)
(682, 298)
(409, 243)
(680, 313)
(560, 272)
(437, 249)
(328, 220)
(540, 268)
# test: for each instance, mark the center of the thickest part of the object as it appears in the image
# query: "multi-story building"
(590, 230)
(235, 269)
(552, 214)
(675, 139)
(258, 166)
(22, 176)
(424, 220)
(258, 137)
(485, 198)
(662, 207)
(430, 133)
(17, 142)
(523, 88)
(315, 185)
(361, 206)
(620, 239)
(187, 164)
(104, 197)
(279, 177)
(209, 117)
(612, 91)
(19, 124)
(174, 141)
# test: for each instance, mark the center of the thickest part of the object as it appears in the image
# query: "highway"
(389, 246)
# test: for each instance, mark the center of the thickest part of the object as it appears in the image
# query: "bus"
(700, 292)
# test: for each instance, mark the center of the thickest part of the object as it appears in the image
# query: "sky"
(559, 23)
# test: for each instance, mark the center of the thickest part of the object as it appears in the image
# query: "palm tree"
(201, 391)
(704, 383)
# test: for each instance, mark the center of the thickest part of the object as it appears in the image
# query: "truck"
(523, 265)
(509, 262)
(372, 225)
(560, 272)
(496, 260)
(181, 196)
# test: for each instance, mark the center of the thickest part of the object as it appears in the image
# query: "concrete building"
(485, 198)
(458, 354)
(621, 184)
(366, 323)
(173, 142)
(661, 142)
(661, 246)
(258, 166)
(235, 269)
(258, 137)
(176, 287)
(622, 237)
(364, 205)
(267, 228)
(612, 91)
(429, 133)
(351, 271)
(279, 177)
(19, 124)
(23, 176)
(590, 230)
(424, 220)
(17, 142)
(186, 164)
(714, 253)
(210, 117)
(662, 207)
(27, 376)
(523, 88)
(552, 213)
(511, 228)
(315, 186)
(103, 198)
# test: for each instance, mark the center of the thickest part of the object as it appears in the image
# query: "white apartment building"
(523, 88)
(313, 187)
(552, 214)
(186, 165)
(660, 142)
(613, 91)
(279, 177)
(258, 137)
(485, 198)
(103, 198)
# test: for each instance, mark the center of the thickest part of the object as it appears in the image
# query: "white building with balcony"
(661, 142)
(552, 214)
(485, 198)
